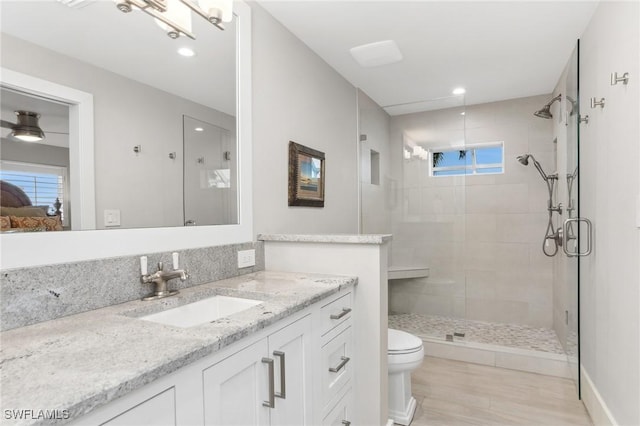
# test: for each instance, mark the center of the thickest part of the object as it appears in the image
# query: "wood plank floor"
(454, 393)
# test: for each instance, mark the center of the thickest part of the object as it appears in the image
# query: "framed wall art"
(306, 176)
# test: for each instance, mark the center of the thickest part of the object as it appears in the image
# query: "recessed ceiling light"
(376, 54)
(199, 129)
(459, 91)
(187, 52)
(462, 113)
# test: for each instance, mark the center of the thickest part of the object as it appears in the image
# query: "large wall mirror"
(164, 124)
(137, 135)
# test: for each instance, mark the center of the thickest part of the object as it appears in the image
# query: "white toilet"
(405, 353)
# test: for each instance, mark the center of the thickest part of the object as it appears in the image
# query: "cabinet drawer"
(342, 413)
(159, 410)
(337, 365)
(335, 312)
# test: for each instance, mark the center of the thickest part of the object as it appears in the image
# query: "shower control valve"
(557, 208)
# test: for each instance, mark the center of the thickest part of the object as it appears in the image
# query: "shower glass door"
(569, 193)
(428, 220)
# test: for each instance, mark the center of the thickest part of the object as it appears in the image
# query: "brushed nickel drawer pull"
(283, 390)
(344, 312)
(271, 403)
(339, 367)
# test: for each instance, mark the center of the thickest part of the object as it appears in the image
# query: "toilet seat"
(401, 342)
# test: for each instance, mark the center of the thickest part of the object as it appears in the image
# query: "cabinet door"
(236, 387)
(290, 348)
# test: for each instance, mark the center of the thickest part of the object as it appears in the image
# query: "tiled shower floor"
(509, 335)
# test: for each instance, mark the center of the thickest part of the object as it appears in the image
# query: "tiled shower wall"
(481, 236)
(41, 293)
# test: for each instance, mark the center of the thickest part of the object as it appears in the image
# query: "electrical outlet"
(246, 258)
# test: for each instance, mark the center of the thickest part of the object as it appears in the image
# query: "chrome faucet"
(160, 278)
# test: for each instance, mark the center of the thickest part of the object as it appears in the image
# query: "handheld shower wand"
(550, 180)
(524, 160)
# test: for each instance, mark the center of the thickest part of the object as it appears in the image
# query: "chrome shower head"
(545, 112)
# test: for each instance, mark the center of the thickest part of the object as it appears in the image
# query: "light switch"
(111, 218)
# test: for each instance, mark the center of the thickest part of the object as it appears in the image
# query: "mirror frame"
(43, 248)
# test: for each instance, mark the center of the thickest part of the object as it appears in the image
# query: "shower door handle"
(567, 236)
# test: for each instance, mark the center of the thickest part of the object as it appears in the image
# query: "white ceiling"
(496, 50)
(132, 45)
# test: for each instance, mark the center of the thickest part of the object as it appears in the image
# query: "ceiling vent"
(376, 54)
(74, 4)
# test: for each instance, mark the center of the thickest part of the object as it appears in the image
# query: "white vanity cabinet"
(295, 372)
(265, 383)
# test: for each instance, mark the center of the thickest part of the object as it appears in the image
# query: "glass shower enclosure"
(476, 257)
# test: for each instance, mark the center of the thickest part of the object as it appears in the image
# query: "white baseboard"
(597, 408)
(389, 422)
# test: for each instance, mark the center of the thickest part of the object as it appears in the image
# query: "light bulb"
(221, 9)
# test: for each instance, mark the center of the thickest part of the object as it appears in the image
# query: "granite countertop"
(323, 238)
(80, 362)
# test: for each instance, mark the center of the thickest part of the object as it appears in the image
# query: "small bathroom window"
(481, 159)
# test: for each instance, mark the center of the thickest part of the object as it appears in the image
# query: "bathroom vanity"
(286, 360)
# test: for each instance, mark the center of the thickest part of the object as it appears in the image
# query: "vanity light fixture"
(27, 129)
(459, 91)
(199, 129)
(174, 15)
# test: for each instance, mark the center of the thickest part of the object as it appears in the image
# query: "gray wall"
(298, 97)
(609, 191)
(126, 114)
(377, 198)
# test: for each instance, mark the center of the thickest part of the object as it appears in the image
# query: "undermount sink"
(202, 311)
